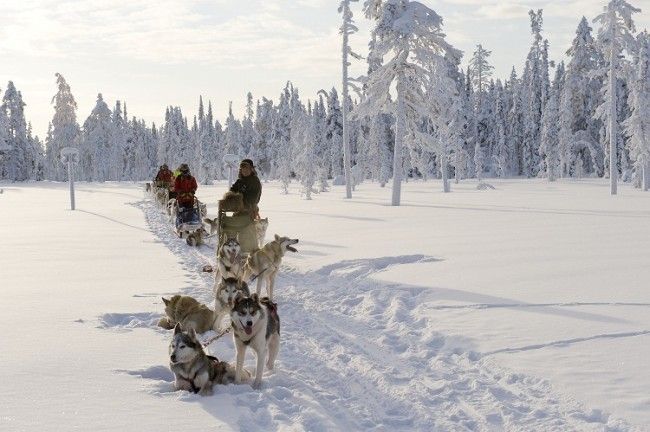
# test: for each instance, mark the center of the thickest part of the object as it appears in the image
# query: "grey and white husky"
(261, 225)
(255, 323)
(193, 369)
(225, 293)
(264, 263)
(229, 259)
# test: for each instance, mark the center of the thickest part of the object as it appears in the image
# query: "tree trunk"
(346, 132)
(646, 175)
(400, 127)
(613, 123)
(443, 169)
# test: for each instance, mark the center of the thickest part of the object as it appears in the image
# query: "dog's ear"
(165, 301)
(237, 237)
(192, 333)
(177, 328)
(255, 298)
(277, 237)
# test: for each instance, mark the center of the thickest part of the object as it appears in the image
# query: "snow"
(519, 308)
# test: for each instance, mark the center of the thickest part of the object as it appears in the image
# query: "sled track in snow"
(356, 355)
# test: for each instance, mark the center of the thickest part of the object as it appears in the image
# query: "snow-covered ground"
(521, 308)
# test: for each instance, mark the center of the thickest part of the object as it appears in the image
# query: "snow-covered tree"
(480, 74)
(550, 143)
(95, 149)
(410, 35)
(614, 37)
(18, 159)
(306, 131)
(578, 134)
(65, 129)
(637, 126)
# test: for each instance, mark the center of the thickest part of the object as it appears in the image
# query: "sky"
(155, 53)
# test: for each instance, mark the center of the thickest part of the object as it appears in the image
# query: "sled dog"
(162, 197)
(195, 238)
(229, 259)
(193, 369)
(261, 226)
(225, 293)
(214, 224)
(187, 312)
(264, 263)
(147, 187)
(255, 323)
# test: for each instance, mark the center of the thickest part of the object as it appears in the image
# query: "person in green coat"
(248, 184)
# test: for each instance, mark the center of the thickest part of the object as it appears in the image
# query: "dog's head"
(285, 243)
(246, 312)
(184, 347)
(230, 289)
(170, 305)
(231, 246)
(213, 224)
(262, 224)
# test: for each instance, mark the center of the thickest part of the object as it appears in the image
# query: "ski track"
(356, 355)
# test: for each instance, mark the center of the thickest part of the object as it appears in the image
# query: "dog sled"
(232, 221)
(188, 222)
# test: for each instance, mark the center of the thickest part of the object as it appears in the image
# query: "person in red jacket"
(164, 178)
(185, 187)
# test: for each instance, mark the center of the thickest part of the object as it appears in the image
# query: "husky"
(172, 209)
(214, 225)
(255, 322)
(264, 263)
(229, 259)
(187, 312)
(162, 197)
(193, 369)
(203, 207)
(225, 293)
(147, 187)
(195, 238)
(261, 226)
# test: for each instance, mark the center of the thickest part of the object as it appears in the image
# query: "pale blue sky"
(154, 53)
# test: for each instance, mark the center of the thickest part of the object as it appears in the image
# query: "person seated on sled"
(248, 184)
(185, 186)
(164, 177)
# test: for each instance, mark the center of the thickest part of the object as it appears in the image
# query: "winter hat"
(184, 168)
(248, 162)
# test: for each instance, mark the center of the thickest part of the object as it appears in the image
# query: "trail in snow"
(357, 354)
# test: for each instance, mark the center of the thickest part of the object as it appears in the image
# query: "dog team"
(254, 320)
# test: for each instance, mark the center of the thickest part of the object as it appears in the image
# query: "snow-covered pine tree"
(578, 134)
(117, 144)
(233, 134)
(248, 133)
(304, 136)
(262, 146)
(410, 35)
(614, 37)
(549, 146)
(95, 150)
(17, 158)
(637, 126)
(480, 73)
(334, 134)
(282, 134)
(65, 130)
(515, 123)
(4, 144)
(321, 153)
(501, 152)
(532, 96)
